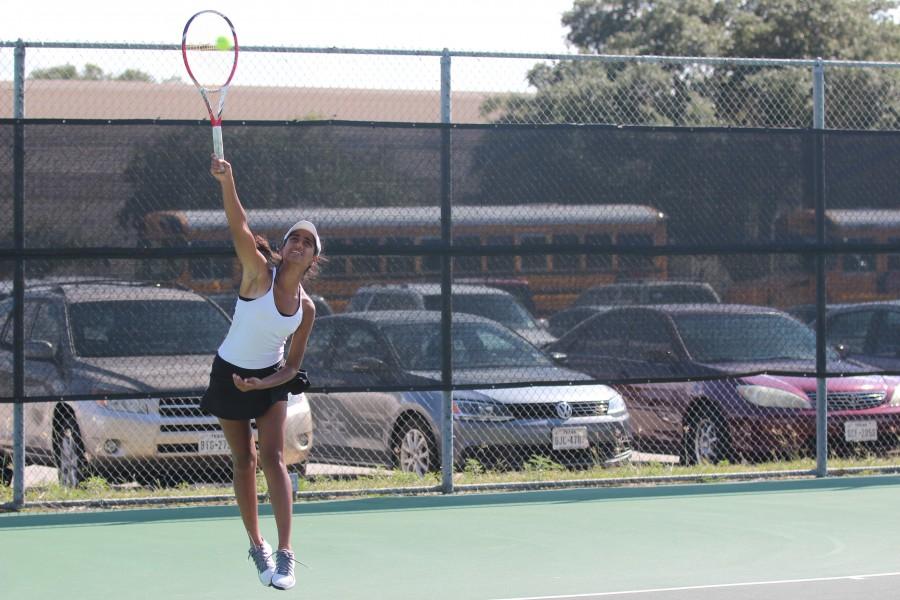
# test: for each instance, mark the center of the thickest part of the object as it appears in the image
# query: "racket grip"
(217, 142)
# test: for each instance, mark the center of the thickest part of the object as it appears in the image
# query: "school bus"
(850, 277)
(554, 279)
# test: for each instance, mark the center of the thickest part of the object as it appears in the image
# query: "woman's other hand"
(245, 385)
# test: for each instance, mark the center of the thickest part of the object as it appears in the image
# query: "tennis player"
(250, 376)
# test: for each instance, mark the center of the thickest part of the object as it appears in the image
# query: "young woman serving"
(251, 376)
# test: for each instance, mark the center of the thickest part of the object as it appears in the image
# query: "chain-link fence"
(599, 270)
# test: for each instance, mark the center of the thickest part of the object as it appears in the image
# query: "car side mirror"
(40, 350)
(560, 357)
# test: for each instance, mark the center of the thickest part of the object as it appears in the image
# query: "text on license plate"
(212, 443)
(570, 438)
(861, 431)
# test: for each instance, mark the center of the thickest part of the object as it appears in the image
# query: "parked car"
(489, 302)
(805, 313)
(648, 292)
(576, 425)
(698, 381)
(867, 332)
(97, 339)
(562, 322)
(516, 286)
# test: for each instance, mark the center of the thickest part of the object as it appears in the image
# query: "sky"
(486, 25)
(496, 25)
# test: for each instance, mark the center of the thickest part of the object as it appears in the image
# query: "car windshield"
(146, 327)
(739, 338)
(496, 307)
(475, 346)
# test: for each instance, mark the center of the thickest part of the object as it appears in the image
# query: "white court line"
(703, 587)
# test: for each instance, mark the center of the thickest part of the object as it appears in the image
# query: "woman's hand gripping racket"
(209, 47)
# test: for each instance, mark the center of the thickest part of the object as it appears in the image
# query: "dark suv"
(95, 339)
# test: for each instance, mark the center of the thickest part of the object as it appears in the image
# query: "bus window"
(431, 263)
(533, 262)
(636, 261)
(467, 264)
(565, 262)
(400, 264)
(500, 264)
(598, 262)
(893, 260)
(363, 263)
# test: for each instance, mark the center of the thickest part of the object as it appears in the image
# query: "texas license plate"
(861, 431)
(212, 443)
(570, 438)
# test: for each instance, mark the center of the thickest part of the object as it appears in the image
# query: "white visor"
(308, 227)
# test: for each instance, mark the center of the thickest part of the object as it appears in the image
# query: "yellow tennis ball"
(223, 43)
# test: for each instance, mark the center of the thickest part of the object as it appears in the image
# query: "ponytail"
(273, 259)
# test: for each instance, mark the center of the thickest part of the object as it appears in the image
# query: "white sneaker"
(262, 558)
(283, 579)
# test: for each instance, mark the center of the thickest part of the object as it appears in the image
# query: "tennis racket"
(209, 47)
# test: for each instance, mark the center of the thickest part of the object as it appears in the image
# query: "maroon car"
(739, 383)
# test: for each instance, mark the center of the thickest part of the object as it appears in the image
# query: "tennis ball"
(223, 43)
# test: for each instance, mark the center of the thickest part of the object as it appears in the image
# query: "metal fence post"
(446, 282)
(19, 277)
(821, 296)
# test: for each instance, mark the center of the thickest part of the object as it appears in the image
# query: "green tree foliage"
(692, 94)
(282, 166)
(90, 72)
(695, 180)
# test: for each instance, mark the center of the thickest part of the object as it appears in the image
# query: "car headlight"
(139, 406)
(479, 410)
(895, 397)
(616, 405)
(768, 397)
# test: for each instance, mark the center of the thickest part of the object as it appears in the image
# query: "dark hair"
(273, 258)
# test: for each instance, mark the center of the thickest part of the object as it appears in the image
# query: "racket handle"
(217, 142)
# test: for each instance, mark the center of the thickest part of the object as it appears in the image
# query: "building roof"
(81, 99)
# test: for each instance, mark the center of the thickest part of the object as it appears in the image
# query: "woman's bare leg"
(243, 457)
(271, 448)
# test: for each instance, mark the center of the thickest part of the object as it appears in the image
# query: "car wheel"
(71, 466)
(415, 448)
(705, 439)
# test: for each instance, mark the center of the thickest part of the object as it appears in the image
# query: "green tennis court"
(827, 538)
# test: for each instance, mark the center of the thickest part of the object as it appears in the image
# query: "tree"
(90, 72)
(686, 176)
(286, 166)
(691, 94)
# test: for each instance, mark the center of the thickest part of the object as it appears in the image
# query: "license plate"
(861, 431)
(213, 443)
(570, 438)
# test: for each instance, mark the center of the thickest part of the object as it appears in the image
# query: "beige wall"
(72, 99)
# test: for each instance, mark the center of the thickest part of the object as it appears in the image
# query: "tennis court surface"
(835, 538)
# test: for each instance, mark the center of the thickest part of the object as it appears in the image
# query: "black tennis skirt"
(224, 400)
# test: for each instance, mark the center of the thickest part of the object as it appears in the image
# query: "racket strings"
(203, 47)
(209, 45)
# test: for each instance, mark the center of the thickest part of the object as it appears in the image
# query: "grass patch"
(536, 470)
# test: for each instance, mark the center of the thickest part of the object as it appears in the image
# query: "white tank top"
(258, 332)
